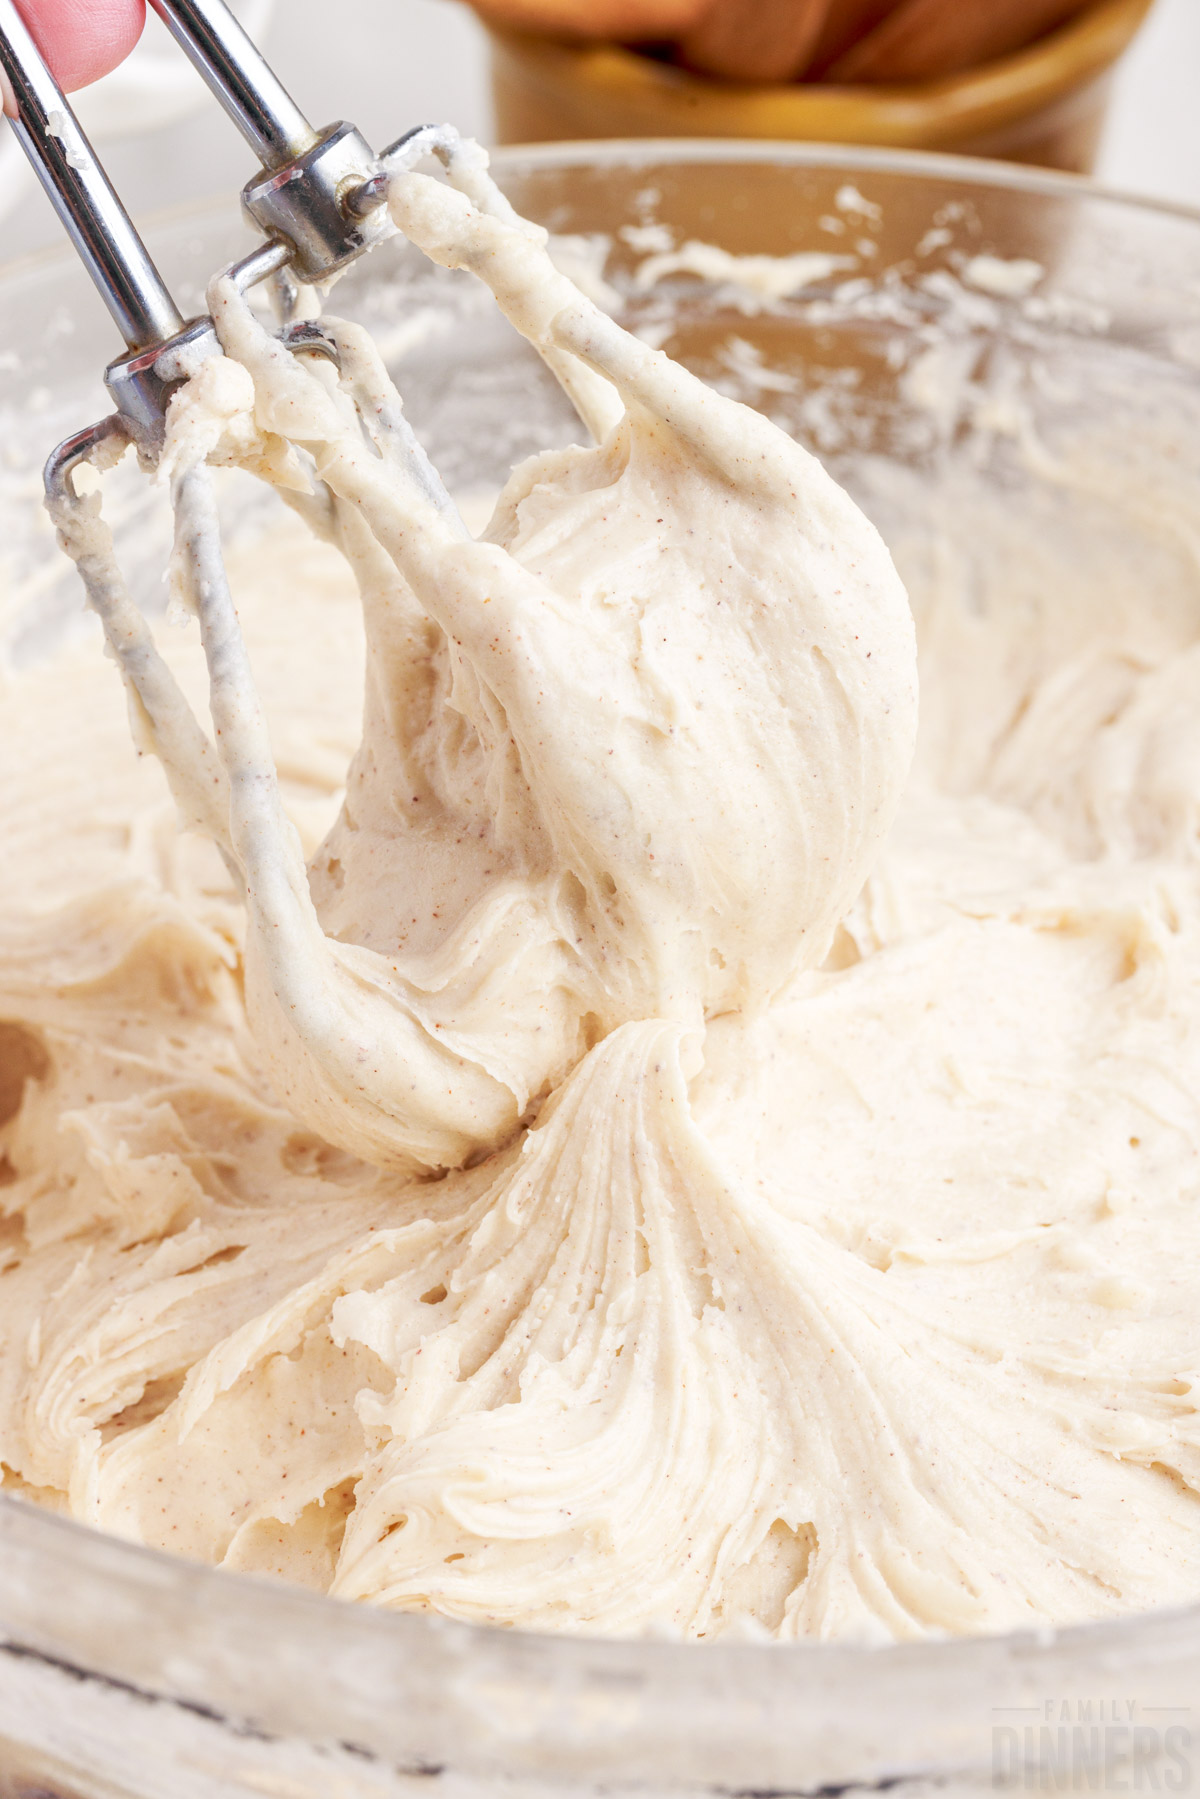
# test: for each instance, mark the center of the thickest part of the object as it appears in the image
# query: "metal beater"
(318, 199)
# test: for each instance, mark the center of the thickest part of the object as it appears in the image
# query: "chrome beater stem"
(310, 188)
(317, 199)
(81, 193)
(212, 39)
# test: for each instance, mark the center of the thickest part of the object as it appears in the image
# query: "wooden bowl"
(1045, 104)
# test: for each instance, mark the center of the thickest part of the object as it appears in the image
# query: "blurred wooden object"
(844, 25)
(921, 40)
(625, 21)
(847, 42)
(755, 40)
(1044, 104)
(843, 41)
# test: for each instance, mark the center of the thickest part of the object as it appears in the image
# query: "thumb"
(80, 39)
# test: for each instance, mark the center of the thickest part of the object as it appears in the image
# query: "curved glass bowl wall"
(914, 367)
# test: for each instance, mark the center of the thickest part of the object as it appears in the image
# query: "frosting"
(593, 1165)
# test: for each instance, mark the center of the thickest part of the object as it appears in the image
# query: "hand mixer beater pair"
(318, 198)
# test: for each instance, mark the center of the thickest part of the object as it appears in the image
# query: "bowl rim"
(983, 171)
(635, 152)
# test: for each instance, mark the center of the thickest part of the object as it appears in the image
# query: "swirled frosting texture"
(558, 1174)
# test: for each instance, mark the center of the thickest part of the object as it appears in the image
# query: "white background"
(389, 64)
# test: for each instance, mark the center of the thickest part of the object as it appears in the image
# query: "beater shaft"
(311, 188)
(317, 198)
(264, 112)
(81, 193)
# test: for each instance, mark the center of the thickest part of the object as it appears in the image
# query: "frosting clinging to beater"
(628, 757)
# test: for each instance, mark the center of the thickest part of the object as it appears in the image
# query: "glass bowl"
(1001, 364)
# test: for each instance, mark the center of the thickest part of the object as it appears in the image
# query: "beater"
(318, 198)
(578, 808)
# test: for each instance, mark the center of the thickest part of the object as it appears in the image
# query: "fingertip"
(82, 40)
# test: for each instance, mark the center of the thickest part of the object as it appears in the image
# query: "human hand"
(80, 39)
(810, 40)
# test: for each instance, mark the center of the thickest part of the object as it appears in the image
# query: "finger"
(629, 21)
(754, 40)
(924, 39)
(80, 39)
